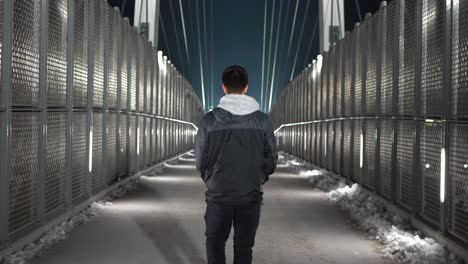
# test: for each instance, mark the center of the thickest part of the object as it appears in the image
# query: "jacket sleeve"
(201, 147)
(270, 153)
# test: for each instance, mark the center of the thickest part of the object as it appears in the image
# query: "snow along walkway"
(161, 221)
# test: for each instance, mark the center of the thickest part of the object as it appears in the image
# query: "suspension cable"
(293, 28)
(184, 31)
(356, 3)
(176, 33)
(274, 61)
(201, 58)
(163, 29)
(300, 39)
(312, 39)
(263, 52)
(269, 50)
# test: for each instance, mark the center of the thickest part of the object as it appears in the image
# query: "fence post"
(89, 103)
(105, 112)
(395, 93)
(378, 90)
(118, 107)
(446, 116)
(69, 100)
(129, 94)
(5, 118)
(42, 138)
(417, 181)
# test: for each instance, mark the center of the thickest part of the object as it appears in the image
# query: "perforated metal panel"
(141, 143)
(132, 79)
(123, 163)
(79, 158)
(111, 134)
(148, 140)
(112, 67)
(324, 86)
(388, 58)
(57, 53)
(338, 82)
(373, 52)
(100, 24)
(163, 139)
(404, 162)
(337, 147)
(154, 136)
(149, 77)
(23, 170)
(323, 144)
(407, 58)
(357, 132)
(347, 148)
(124, 65)
(460, 59)
(360, 41)
(318, 96)
(385, 158)
(458, 185)
(97, 177)
(348, 56)
(368, 173)
(132, 148)
(431, 143)
(156, 82)
(55, 161)
(80, 54)
(432, 57)
(330, 153)
(25, 59)
(331, 92)
(141, 73)
(159, 140)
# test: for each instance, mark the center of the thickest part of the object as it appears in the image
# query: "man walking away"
(235, 152)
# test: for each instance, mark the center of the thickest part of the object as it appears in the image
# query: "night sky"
(231, 32)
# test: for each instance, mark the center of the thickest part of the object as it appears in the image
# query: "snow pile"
(323, 180)
(156, 171)
(122, 190)
(291, 164)
(60, 231)
(399, 239)
(56, 234)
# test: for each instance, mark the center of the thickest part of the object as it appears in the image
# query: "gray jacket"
(235, 150)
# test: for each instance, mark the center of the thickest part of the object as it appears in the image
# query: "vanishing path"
(162, 222)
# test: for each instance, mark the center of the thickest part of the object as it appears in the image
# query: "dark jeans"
(219, 218)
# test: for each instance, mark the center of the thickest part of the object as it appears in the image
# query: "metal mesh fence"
(57, 53)
(404, 126)
(69, 120)
(25, 53)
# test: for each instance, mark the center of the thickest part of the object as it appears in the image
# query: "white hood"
(239, 104)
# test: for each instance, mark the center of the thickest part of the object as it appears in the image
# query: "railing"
(84, 102)
(387, 107)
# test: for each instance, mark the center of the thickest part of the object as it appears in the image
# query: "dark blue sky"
(234, 35)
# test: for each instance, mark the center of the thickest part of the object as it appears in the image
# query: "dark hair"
(235, 79)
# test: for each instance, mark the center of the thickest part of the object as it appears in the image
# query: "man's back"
(235, 166)
(235, 152)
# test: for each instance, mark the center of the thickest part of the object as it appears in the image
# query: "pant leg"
(246, 220)
(218, 222)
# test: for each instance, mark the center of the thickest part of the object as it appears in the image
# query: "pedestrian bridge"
(89, 109)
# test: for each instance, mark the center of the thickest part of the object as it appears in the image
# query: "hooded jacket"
(235, 150)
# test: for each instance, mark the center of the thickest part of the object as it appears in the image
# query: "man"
(235, 152)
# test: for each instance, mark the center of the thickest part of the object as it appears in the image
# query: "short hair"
(235, 79)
